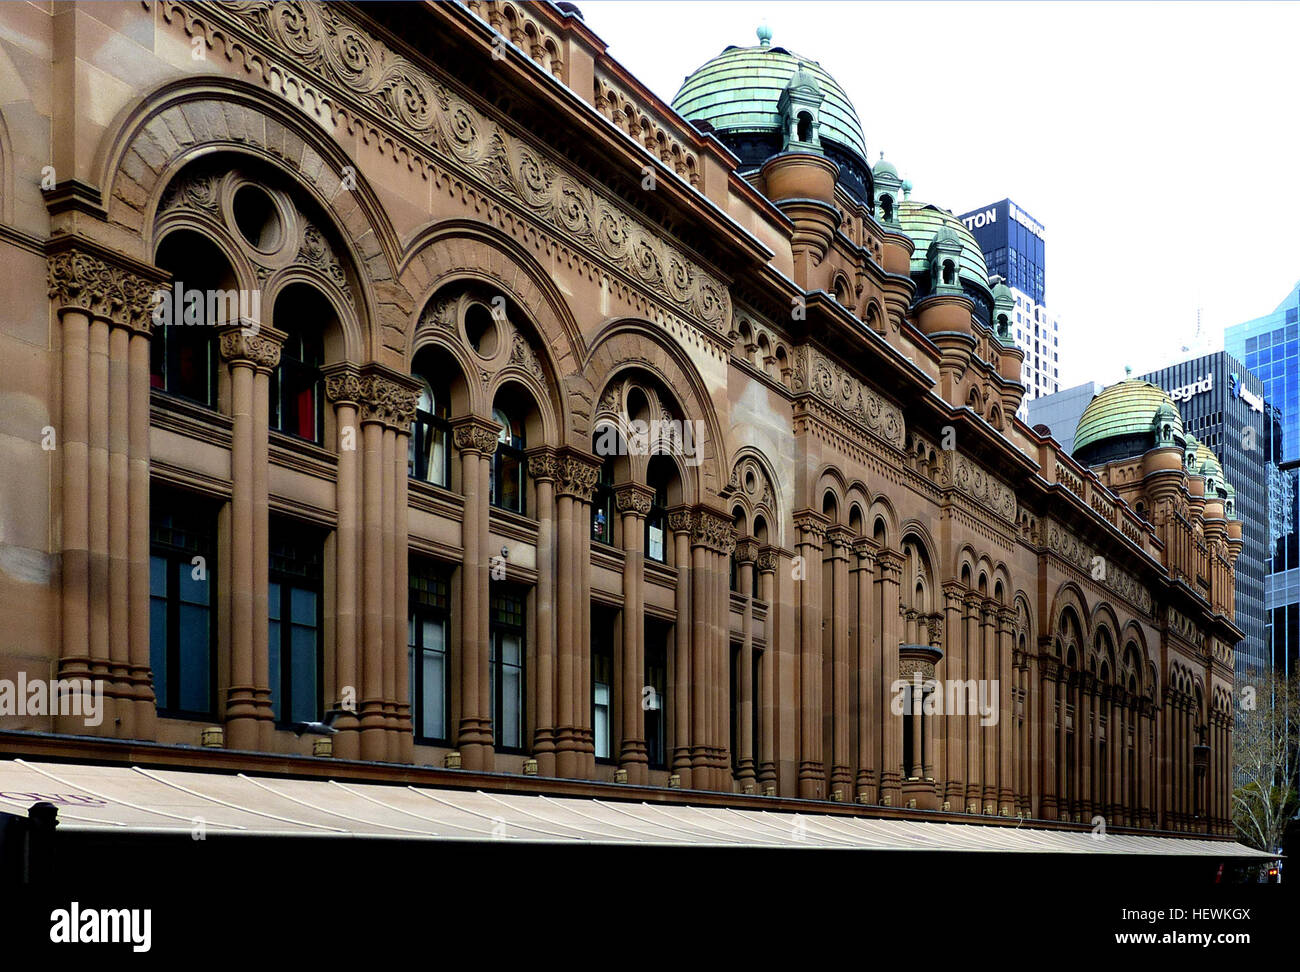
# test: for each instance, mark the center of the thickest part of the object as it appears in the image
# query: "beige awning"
(134, 799)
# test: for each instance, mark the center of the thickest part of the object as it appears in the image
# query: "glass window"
(602, 505)
(655, 704)
(602, 712)
(183, 359)
(508, 463)
(296, 387)
(294, 622)
(182, 624)
(506, 668)
(656, 522)
(428, 456)
(429, 607)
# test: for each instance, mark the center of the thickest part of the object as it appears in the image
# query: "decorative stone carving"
(543, 464)
(633, 498)
(713, 531)
(338, 51)
(476, 435)
(746, 551)
(768, 561)
(82, 280)
(378, 398)
(1071, 549)
(840, 390)
(981, 486)
(257, 348)
(196, 189)
(681, 520)
(316, 252)
(576, 477)
(523, 356)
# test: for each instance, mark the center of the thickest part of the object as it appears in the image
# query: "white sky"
(1156, 142)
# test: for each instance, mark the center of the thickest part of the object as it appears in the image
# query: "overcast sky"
(1158, 143)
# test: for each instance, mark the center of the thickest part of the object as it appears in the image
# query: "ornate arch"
(629, 343)
(183, 119)
(752, 483)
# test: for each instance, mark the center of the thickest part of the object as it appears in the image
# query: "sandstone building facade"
(414, 368)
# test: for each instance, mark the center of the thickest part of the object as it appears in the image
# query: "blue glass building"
(1268, 347)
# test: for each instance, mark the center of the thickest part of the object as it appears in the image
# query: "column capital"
(973, 602)
(1050, 668)
(747, 551)
(769, 558)
(841, 539)
(474, 434)
(380, 394)
(890, 563)
(258, 348)
(953, 593)
(1007, 616)
(543, 463)
(713, 530)
(866, 551)
(576, 473)
(812, 524)
(86, 276)
(681, 519)
(635, 498)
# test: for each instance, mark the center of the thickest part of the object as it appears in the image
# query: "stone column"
(633, 501)
(1085, 725)
(104, 302)
(812, 772)
(1064, 692)
(954, 792)
(746, 761)
(1047, 728)
(343, 390)
(476, 440)
(577, 473)
(868, 674)
(891, 761)
(841, 779)
(768, 560)
(989, 734)
(974, 666)
(1006, 729)
(542, 466)
(251, 357)
(681, 522)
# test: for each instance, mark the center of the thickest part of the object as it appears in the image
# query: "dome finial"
(1128, 371)
(764, 34)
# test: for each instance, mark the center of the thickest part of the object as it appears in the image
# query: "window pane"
(158, 629)
(192, 591)
(438, 458)
(304, 607)
(601, 706)
(195, 658)
(302, 671)
(655, 545)
(435, 676)
(512, 697)
(273, 664)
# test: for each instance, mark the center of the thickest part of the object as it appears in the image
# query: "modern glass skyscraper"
(1014, 248)
(1223, 406)
(1268, 347)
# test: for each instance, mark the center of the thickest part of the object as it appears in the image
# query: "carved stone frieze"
(980, 485)
(1073, 550)
(323, 41)
(834, 385)
(713, 531)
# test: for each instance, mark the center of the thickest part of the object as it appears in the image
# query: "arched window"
(805, 127)
(508, 463)
(296, 390)
(428, 458)
(183, 359)
(602, 504)
(887, 207)
(658, 478)
(947, 271)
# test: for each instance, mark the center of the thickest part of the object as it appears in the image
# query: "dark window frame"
(425, 429)
(422, 604)
(498, 629)
(509, 446)
(301, 359)
(179, 557)
(285, 531)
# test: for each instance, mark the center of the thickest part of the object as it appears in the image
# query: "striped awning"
(127, 799)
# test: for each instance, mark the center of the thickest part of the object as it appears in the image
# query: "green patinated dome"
(1122, 416)
(737, 93)
(1208, 465)
(925, 222)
